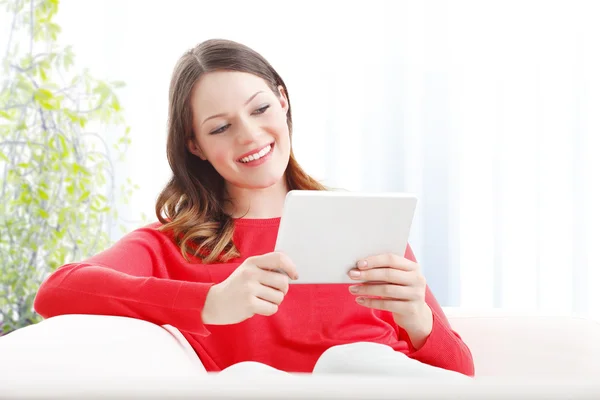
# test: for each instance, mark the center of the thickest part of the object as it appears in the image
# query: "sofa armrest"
(83, 346)
(508, 343)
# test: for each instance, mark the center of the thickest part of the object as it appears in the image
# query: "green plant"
(58, 192)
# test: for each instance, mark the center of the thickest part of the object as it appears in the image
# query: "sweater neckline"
(268, 222)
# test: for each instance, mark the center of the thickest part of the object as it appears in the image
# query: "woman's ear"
(283, 100)
(195, 149)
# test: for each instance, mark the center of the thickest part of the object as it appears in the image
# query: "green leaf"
(43, 214)
(61, 217)
(43, 94)
(42, 194)
(84, 196)
(68, 58)
(78, 168)
(70, 115)
(63, 145)
(46, 99)
(118, 84)
(43, 75)
(103, 90)
(115, 104)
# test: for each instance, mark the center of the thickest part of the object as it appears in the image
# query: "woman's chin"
(258, 184)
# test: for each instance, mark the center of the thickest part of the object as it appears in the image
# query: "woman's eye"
(220, 130)
(262, 109)
(225, 127)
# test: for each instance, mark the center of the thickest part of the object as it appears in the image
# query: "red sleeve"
(443, 348)
(129, 279)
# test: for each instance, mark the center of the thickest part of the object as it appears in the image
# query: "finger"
(275, 280)
(386, 260)
(391, 292)
(276, 261)
(269, 294)
(388, 275)
(263, 307)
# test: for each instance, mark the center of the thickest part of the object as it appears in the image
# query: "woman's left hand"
(395, 284)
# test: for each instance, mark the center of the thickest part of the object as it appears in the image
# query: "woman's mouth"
(258, 155)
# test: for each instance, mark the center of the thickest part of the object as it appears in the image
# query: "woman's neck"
(256, 203)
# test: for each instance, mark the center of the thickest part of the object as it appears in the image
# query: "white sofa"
(77, 356)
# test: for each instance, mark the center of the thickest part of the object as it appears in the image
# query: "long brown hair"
(191, 206)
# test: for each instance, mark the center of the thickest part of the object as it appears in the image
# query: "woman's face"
(240, 127)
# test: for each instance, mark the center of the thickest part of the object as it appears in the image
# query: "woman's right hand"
(254, 288)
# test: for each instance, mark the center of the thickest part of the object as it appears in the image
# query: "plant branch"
(66, 90)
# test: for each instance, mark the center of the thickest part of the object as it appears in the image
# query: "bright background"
(488, 110)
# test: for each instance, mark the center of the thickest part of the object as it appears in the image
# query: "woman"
(206, 267)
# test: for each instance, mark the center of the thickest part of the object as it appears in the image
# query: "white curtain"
(488, 110)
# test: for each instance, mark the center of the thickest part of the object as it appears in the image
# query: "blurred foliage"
(58, 193)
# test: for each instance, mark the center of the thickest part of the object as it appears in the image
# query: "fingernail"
(353, 289)
(296, 277)
(354, 273)
(361, 264)
(360, 300)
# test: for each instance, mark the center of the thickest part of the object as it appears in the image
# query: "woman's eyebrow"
(223, 114)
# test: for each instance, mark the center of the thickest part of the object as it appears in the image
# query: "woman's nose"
(247, 132)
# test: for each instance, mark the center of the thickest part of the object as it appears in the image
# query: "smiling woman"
(208, 266)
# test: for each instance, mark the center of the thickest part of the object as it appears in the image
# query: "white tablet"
(326, 232)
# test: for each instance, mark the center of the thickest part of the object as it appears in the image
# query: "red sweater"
(144, 276)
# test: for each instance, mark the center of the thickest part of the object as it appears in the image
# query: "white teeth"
(256, 156)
